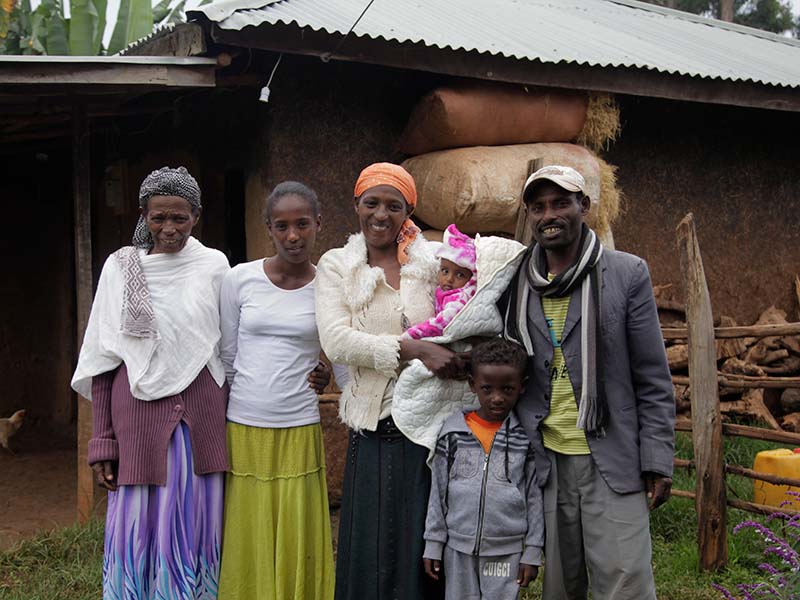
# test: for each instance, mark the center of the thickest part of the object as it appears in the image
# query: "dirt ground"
(37, 486)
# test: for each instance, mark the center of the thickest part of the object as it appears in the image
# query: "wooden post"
(710, 500)
(523, 232)
(82, 218)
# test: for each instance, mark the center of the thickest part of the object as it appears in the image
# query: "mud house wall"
(323, 124)
(738, 171)
(37, 330)
(734, 168)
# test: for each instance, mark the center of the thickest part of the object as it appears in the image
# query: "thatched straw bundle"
(602, 124)
(610, 204)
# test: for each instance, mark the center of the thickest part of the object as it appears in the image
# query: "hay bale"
(486, 114)
(479, 188)
(610, 203)
(602, 124)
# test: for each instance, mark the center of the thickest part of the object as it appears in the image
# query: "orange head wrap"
(396, 176)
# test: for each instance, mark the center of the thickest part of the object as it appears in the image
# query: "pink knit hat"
(458, 248)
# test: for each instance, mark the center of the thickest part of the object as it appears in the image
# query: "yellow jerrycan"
(782, 462)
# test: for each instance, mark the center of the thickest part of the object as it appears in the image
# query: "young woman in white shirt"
(276, 535)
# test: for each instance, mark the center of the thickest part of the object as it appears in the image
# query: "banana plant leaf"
(177, 14)
(87, 23)
(99, 28)
(34, 42)
(135, 20)
(160, 11)
(57, 31)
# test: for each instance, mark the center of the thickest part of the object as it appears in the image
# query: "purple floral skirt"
(163, 542)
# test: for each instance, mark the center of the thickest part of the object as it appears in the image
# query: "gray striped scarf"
(592, 407)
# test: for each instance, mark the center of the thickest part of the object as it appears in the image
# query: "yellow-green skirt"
(276, 538)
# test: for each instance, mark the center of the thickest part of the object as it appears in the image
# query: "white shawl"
(184, 291)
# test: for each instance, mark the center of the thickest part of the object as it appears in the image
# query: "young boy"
(485, 519)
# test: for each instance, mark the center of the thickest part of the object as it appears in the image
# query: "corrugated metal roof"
(603, 33)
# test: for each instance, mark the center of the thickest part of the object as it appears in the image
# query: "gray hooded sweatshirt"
(484, 504)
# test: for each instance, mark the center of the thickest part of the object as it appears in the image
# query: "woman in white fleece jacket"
(368, 293)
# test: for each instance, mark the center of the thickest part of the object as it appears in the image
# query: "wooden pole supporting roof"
(82, 220)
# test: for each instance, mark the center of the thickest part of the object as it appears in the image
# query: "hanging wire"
(275, 68)
(327, 56)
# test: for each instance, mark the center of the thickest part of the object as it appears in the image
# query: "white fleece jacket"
(360, 320)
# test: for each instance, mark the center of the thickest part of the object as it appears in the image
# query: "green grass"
(674, 532)
(66, 564)
(675, 555)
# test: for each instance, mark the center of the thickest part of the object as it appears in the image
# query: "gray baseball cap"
(565, 177)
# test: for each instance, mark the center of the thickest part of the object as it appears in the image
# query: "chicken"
(9, 427)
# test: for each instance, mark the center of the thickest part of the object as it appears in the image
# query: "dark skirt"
(384, 501)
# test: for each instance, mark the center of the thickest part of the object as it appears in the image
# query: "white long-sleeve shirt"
(269, 346)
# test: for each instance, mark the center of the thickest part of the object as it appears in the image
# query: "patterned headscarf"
(396, 176)
(164, 182)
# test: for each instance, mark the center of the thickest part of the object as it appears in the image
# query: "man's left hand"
(320, 377)
(658, 489)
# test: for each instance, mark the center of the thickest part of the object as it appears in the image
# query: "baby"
(456, 284)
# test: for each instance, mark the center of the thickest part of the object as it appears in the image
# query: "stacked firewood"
(755, 374)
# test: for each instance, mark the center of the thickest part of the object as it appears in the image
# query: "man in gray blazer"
(599, 404)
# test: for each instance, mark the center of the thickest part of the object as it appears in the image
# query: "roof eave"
(408, 55)
(104, 74)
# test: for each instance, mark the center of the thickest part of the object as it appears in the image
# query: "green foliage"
(40, 31)
(45, 31)
(134, 21)
(87, 23)
(769, 15)
(56, 33)
(161, 10)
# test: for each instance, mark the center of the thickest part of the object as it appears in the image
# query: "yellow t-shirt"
(559, 429)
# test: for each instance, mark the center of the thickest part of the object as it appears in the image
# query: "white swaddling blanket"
(421, 401)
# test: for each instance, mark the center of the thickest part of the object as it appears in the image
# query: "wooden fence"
(706, 424)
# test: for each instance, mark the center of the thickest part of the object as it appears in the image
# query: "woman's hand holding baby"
(443, 363)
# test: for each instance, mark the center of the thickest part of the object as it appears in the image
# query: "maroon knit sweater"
(136, 432)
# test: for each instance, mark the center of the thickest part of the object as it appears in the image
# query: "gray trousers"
(469, 577)
(594, 536)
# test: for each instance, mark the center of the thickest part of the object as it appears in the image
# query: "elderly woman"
(368, 293)
(149, 364)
